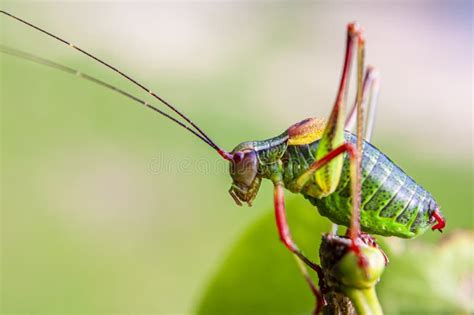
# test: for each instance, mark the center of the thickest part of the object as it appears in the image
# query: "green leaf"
(427, 278)
(259, 276)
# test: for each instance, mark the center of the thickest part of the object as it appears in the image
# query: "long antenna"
(223, 153)
(49, 63)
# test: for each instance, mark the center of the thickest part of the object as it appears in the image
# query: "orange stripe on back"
(306, 131)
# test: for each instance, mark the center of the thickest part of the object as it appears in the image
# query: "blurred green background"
(108, 208)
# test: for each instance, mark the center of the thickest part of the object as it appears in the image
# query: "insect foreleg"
(285, 237)
(284, 229)
(370, 92)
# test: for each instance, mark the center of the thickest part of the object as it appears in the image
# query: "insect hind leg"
(328, 176)
(356, 155)
(370, 90)
(352, 152)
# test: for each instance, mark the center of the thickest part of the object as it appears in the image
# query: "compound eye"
(238, 156)
(244, 167)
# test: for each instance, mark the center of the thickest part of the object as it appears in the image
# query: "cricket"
(331, 162)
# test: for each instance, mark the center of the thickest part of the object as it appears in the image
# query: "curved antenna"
(49, 63)
(223, 153)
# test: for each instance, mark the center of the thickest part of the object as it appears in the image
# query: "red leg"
(441, 222)
(370, 91)
(328, 177)
(356, 159)
(354, 230)
(284, 229)
(285, 237)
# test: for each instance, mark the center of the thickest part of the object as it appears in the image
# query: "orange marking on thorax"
(306, 131)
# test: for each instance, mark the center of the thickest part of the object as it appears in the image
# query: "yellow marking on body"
(306, 131)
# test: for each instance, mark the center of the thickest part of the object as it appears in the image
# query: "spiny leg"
(285, 237)
(370, 92)
(356, 155)
(370, 88)
(284, 229)
(373, 79)
(356, 172)
(328, 176)
(329, 173)
(331, 146)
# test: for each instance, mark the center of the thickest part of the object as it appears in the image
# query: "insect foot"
(439, 219)
(349, 289)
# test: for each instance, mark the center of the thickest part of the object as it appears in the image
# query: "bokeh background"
(108, 208)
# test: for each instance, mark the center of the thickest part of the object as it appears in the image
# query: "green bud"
(349, 287)
(350, 274)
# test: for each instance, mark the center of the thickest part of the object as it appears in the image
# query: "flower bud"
(351, 274)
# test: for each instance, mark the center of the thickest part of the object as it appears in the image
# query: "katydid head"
(244, 171)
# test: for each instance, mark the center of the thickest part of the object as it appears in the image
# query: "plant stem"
(364, 300)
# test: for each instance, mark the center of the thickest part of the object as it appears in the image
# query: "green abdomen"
(392, 204)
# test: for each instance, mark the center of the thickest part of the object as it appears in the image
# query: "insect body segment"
(392, 203)
(306, 131)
